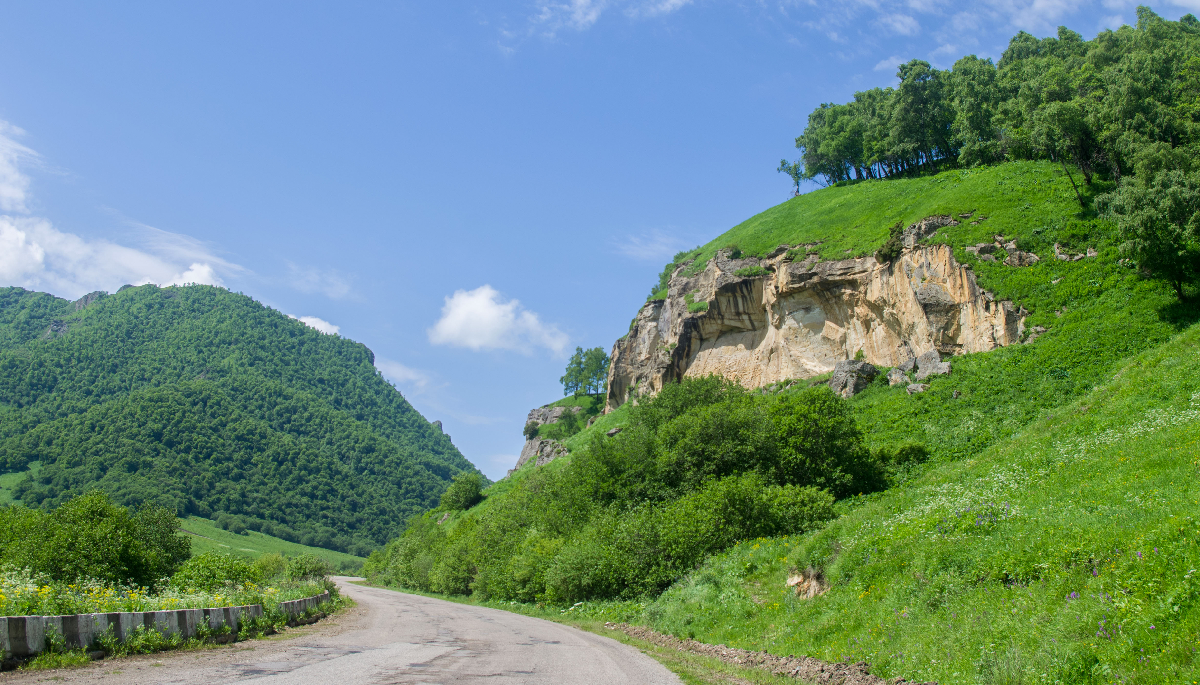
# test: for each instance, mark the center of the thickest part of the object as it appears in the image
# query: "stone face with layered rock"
(805, 315)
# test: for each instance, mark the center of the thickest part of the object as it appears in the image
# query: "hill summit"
(211, 404)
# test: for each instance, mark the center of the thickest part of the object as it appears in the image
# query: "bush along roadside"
(39, 642)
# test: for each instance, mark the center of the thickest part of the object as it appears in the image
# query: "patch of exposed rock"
(851, 377)
(803, 316)
(541, 451)
(801, 668)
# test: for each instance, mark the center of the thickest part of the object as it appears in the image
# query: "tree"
(587, 372)
(465, 492)
(1159, 222)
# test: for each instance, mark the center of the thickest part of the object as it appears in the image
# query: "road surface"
(391, 637)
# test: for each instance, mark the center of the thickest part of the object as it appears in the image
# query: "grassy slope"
(854, 219)
(1068, 550)
(207, 536)
(1097, 311)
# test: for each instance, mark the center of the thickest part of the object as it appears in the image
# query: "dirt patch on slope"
(802, 668)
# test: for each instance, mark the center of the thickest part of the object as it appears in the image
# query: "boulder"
(1019, 258)
(852, 376)
(931, 364)
(613, 432)
(917, 387)
(908, 365)
(897, 377)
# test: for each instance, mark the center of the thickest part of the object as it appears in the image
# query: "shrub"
(735, 252)
(820, 444)
(893, 246)
(641, 551)
(271, 565)
(531, 430)
(212, 570)
(464, 492)
(308, 567)
(89, 537)
(751, 271)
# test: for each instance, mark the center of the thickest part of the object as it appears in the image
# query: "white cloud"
(401, 374)
(902, 24)
(888, 64)
(318, 323)
(553, 15)
(36, 255)
(308, 279)
(480, 320)
(14, 185)
(652, 246)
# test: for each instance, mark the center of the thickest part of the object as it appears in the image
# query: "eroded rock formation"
(804, 315)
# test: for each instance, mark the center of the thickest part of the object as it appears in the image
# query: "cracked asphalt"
(391, 637)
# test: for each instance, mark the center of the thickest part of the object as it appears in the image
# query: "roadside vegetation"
(93, 556)
(1029, 518)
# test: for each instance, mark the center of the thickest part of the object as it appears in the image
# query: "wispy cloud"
(552, 16)
(888, 64)
(400, 374)
(317, 323)
(480, 319)
(328, 282)
(14, 185)
(901, 24)
(36, 255)
(653, 245)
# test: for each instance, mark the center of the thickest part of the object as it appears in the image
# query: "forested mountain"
(209, 403)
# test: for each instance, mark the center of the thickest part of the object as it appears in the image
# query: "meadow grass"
(207, 536)
(853, 220)
(1067, 553)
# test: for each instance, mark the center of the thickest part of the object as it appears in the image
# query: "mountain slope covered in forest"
(209, 403)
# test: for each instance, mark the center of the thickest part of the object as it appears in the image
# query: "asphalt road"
(391, 637)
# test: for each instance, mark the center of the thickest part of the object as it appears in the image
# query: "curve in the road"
(392, 637)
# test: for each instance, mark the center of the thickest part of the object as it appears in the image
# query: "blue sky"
(470, 189)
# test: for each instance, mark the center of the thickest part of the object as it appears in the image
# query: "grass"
(1066, 553)
(207, 536)
(853, 220)
(9, 481)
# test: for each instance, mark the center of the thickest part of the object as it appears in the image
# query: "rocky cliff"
(790, 315)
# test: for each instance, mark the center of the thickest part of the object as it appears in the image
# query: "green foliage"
(640, 551)
(695, 469)
(465, 492)
(206, 402)
(659, 291)
(587, 372)
(1098, 104)
(1159, 222)
(211, 571)
(1065, 550)
(692, 305)
(89, 537)
(894, 245)
(531, 430)
(308, 567)
(271, 566)
(206, 536)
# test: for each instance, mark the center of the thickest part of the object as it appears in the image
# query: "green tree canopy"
(587, 372)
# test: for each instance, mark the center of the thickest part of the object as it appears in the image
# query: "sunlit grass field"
(207, 536)
(1068, 553)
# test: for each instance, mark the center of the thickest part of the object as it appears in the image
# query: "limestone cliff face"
(803, 316)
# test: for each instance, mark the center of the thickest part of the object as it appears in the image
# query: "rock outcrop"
(803, 316)
(851, 377)
(542, 451)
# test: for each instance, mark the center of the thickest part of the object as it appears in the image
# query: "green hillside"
(1066, 553)
(209, 403)
(207, 536)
